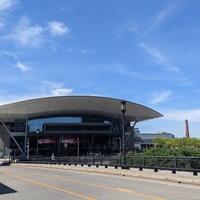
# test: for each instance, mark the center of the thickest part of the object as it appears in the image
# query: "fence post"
(175, 162)
(143, 161)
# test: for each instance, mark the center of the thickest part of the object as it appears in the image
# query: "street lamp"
(37, 133)
(123, 110)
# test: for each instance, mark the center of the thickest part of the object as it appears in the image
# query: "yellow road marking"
(139, 194)
(50, 186)
(99, 186)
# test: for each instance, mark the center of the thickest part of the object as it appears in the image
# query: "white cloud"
(51, 84)
(61, 91)
(56, 88)
(25, 34)
(181, 115)
(22, 67)
(58, 28)
(7, 4)
(160, 97)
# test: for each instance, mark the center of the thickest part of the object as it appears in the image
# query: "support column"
(132, 133)
(12, 137)
(26, 141)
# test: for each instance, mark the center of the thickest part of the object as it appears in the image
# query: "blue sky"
(145, 51)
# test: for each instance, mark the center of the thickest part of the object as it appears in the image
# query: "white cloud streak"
(22, 67)
(155, 53)
(162, 15)
(160, 97)
(162, 61)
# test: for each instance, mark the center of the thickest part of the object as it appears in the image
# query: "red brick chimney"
(187, 134)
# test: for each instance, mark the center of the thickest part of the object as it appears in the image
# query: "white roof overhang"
(75, 106)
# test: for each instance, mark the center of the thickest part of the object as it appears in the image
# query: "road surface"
(35, 183)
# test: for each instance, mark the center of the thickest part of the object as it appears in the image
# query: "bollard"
(173, 171)
(195, 173)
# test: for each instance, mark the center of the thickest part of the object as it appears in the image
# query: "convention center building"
(67, 125)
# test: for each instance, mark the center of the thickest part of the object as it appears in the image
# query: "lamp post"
(37, 133)
(78, 147)
(120, 145)
(28, 148)
(123, 110)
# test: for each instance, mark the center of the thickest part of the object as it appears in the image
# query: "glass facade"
(38, 123)
(63, 135)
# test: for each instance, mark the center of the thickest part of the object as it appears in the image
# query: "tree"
(159, 142)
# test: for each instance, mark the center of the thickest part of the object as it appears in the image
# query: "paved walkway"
(178, 177)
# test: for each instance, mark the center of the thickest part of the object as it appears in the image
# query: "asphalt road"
(28, 183)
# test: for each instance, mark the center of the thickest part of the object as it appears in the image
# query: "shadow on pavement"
(5, 164)
(6, 190)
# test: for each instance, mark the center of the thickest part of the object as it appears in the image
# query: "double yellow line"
(80, 182)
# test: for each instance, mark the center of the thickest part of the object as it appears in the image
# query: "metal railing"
(190, 164)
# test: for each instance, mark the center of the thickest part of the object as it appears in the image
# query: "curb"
(181, 177)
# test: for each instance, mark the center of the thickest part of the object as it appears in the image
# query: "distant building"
(144, 140)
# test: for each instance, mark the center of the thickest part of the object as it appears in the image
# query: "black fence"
(187, 164)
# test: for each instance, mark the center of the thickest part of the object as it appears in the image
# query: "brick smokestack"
(187, 134)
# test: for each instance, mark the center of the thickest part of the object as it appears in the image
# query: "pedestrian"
(53, 157)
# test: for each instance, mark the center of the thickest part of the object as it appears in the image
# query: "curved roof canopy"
(75, 106)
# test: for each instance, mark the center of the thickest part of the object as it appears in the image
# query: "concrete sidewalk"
(179, 177)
